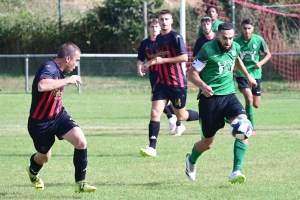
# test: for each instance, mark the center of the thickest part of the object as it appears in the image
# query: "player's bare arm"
(139, 68)
(193, 76)
(264, 60)
(177, 59)
(50, 84)
(240, 66)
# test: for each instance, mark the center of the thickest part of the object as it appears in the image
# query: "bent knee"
(81, 144)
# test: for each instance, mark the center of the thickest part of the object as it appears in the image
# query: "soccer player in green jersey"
(213, 13)
(251, 47)
(212, 73)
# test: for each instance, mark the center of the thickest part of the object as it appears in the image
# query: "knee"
(81, 144)
(42, 158)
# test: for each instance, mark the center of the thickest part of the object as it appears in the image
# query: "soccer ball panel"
(241, 128)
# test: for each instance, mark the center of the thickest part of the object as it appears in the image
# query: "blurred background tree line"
(114, 26)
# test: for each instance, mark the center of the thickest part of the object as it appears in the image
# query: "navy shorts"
(43, 132)
(153, 75)
(176, 95)
(213, 110)
(242, 83)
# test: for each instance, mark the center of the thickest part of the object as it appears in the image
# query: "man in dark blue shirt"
(209, 35)
(48, 118)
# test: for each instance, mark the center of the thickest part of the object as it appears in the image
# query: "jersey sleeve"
(201, 59)
(263, 46)
(180, 45)
(197, 47)
(47, 72)
(141, 52)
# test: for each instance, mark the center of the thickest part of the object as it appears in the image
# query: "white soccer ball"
(241, 128)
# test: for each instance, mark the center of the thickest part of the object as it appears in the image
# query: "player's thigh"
(232, 107)
(247, 93)
(157, 109)
(42, 134)
(210, 115)
(178, 97)
(257, 93)
(256, 101)
(76, 137)
(63, 124)
(242, 83)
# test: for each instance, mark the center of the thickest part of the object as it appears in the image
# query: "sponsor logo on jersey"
(233, 53)
(254, 46)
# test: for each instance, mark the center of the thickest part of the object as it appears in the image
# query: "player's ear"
(68, 58)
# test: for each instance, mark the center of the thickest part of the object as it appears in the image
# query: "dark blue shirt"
(46, 105)
(199, 43)
(147, 51)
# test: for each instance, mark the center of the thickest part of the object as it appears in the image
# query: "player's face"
(212, 13)
(72, 62)
(165, 22)
(225, 38)
(247, 30)
(154, 29)
(206, 26)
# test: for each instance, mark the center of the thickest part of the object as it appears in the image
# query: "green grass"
(114, 115)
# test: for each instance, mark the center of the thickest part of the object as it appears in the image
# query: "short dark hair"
(247, 21)
(209, 7)
(68, 49)
(206, 19)
(225, 26)
(162, 12)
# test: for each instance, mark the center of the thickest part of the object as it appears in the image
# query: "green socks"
(239, 153)
(249, 111)
(194, 155)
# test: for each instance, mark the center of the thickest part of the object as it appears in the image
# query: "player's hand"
(75, 79)
(207, 91)
(252, 82)
(257, 65)
(145, 67)
(140, 73)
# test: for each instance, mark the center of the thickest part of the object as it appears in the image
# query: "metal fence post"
(26, 73)
(78, 73)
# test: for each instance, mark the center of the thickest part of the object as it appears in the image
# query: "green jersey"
(216, 67)
(250, 54)
(214, 27)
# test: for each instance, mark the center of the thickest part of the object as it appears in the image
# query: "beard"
(223, 48)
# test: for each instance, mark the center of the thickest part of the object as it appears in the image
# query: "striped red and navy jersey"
(167, 46)
(46, 105)
(147, 51)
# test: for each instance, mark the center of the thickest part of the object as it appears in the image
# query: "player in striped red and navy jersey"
(171, 84)
(48, 118)
(147, 52)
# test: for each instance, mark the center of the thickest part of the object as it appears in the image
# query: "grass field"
(114, 115)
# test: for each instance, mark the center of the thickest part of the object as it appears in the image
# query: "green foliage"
(192, 24)
(117, 26)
